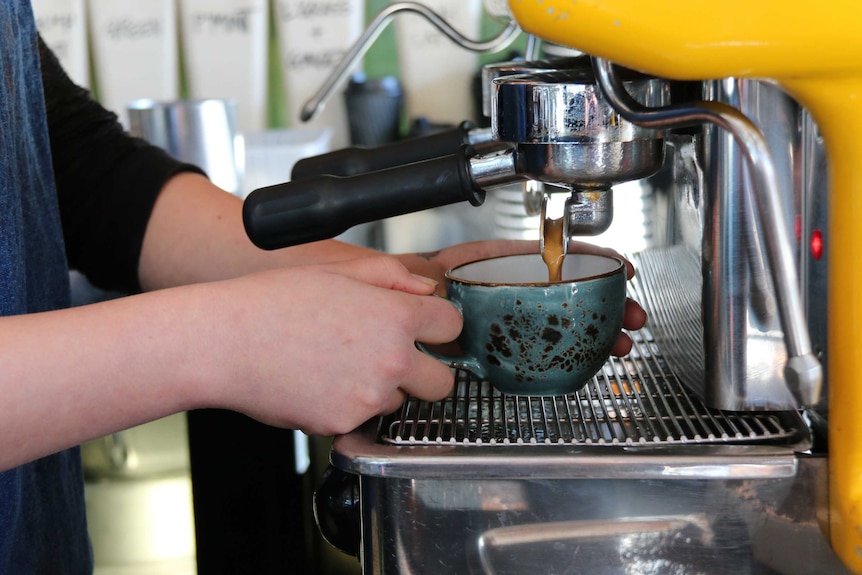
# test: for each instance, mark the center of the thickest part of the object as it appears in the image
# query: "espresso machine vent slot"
(635, 400)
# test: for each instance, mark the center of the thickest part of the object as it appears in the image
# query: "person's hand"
(324, 348)
(434, 265)
(634, 316)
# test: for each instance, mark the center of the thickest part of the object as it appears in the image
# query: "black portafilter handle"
(359, 160)
(323, 207)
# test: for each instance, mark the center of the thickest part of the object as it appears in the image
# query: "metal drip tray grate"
(631, 401)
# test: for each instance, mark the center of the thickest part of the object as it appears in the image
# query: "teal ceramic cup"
(528, 336)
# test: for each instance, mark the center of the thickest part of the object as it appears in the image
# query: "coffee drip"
(554, 240)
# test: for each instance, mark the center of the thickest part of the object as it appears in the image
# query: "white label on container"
(437, 73)
(135, 51)
(314, 36)
(225, 45)
(63, 26)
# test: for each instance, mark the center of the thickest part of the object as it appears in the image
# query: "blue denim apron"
(43, 528)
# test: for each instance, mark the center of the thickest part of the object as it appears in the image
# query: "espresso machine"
(718, 445)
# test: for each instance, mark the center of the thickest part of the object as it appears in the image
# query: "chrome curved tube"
(316, 103)
(803, 371)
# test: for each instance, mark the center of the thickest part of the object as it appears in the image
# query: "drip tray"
(635, 400)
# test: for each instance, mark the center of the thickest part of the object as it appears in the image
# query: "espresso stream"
(553, 247)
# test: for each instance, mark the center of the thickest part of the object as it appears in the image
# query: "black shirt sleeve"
(107, 181)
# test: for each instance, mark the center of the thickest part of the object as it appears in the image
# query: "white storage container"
(225, 54)
(135, 51)
(313, 37)
(435, 72)
(63, 26)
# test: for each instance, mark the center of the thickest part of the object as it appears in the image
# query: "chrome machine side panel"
(715, 318)
(598, 525)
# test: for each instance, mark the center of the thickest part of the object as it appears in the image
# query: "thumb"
(389, 273)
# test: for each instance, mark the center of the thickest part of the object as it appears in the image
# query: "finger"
(397, 399)
(437, 320)
(622, 346)
(387, 272)
(586, 248)
(480, 250)
(634, 316)
(430, 380)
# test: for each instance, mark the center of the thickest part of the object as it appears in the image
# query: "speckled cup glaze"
(528, 336)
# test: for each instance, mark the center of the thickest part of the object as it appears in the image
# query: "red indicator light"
(816, 244)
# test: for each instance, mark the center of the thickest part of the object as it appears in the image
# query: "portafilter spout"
(573, 141)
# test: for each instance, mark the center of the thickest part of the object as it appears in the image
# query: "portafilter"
(553, 127)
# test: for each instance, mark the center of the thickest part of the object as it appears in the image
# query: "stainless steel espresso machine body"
(636, 473)
(704, 450)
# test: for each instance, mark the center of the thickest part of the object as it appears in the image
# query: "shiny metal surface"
(534, 190)
(633, 421)
(814, 55)
(802, 371)
(603, 483)
(479, 136)
(590, 165)
(589, 212)
(532, 196)
(512, 485)
(636, 400)
(495, 70)
(201, 132)
(567, 106)
(494, 168)
(567, 136)
(586, 520)
(362, 453)
(741, 308)
(811, 190)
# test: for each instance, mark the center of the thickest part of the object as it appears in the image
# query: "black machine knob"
(336, 510)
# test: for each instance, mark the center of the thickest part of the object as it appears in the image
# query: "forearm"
(76, 374)
(263, 344)
(195, 234)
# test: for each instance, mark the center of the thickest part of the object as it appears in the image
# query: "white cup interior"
(531, 269)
